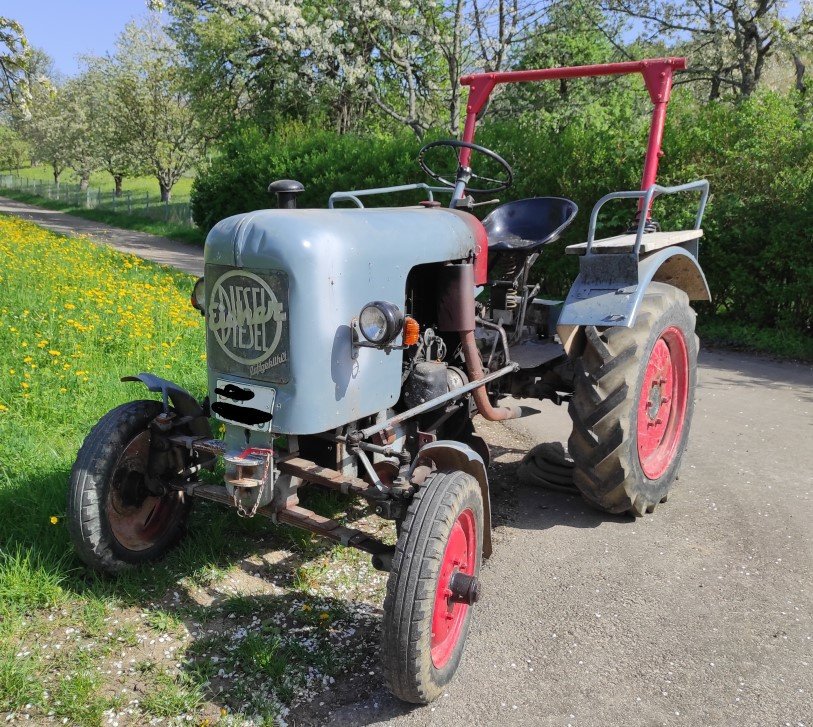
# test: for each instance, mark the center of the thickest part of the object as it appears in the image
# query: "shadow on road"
(517, 505)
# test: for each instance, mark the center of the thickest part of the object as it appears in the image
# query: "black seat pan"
(528, 224)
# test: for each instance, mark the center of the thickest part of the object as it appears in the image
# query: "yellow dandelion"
(24, 385)
(54, 519)
(55, 353)
(324, 616)
(12, 372)
(28, 359)
(306, 607)
(3, 407)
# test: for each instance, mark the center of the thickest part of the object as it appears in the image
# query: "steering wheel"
(465, 174)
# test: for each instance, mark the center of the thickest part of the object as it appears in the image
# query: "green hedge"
(758, 156)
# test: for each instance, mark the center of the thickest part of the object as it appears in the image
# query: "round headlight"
(199, 295)
(380, 322)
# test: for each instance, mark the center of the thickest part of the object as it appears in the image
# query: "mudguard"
(609, 288)
(185, 404)
(449, 454)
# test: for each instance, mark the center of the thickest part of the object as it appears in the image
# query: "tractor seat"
(528, 224)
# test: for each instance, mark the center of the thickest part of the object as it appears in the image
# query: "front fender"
(609, 288)
(183, 402)
(449, 454)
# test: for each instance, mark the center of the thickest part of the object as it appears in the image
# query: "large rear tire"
(633, 403)
(425, 618)
(114, 520)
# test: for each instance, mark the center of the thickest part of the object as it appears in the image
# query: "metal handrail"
(648, 195)
(353, 195)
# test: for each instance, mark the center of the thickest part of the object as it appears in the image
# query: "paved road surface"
(701, 614)
(159, 249)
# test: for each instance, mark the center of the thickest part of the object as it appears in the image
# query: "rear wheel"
(116, 519)
(432, 585)
(632, 404)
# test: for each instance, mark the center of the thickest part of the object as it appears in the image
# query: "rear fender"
(183, 402)
(609, 288)
(449, 454)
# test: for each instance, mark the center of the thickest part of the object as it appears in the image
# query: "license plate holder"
(246, 405)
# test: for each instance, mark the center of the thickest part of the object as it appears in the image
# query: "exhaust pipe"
(474, 368)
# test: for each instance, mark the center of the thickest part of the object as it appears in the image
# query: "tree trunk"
(714, 91)
(166, 191)
(117, 180)
(57, 172)
(799, 67)
(84, 180)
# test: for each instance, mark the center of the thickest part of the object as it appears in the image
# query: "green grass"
(103, 181)
(719, 331)
(74, 319)
(174, 231)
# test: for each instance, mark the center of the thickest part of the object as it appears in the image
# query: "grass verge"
(183, 233)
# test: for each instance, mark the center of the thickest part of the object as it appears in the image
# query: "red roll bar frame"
(657, 73)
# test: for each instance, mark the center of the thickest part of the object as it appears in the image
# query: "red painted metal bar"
(657, 74)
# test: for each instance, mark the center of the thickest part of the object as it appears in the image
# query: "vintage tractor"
(352, 348)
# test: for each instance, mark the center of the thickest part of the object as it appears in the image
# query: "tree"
(111, 147)
(402, 58)
(13, 148)
(729, 41)
(45, 128)
(157, 123)
(14, 61)
(80, 115)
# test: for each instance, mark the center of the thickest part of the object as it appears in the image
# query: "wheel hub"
(662, 406)
(137, 517)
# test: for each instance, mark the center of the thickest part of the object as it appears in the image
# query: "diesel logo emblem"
(246, 317)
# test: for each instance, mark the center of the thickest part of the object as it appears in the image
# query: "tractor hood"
(283, 288)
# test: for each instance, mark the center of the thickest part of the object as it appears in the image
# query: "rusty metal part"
(455, 309)
(138, 518)
(298, 467)
(202, 444)
(474, 367)
(305, 519)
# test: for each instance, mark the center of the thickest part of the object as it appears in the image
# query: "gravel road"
(700, 614)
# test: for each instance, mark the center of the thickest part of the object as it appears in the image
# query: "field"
(243, 622)
(104, 182)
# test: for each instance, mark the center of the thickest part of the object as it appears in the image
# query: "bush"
(758, 156)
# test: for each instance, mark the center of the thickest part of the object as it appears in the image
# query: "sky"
(66, 28)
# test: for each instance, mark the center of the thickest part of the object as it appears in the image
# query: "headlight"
(199, 296)
(380, 322)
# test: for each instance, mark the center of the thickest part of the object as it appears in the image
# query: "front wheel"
(116, 519)
(632, 404)
(432, 585)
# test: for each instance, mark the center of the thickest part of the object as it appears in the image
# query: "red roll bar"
(657, 73)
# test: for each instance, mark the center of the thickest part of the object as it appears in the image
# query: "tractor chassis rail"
(305, 519)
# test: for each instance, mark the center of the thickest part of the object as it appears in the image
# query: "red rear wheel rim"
(449, 615)
(662, 403)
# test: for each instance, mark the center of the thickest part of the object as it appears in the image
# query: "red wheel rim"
(449, 615)
(662, 403)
